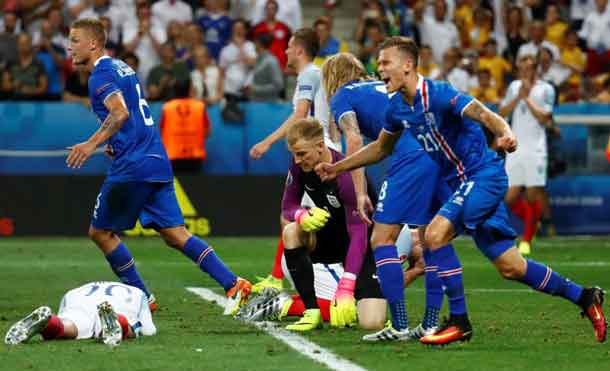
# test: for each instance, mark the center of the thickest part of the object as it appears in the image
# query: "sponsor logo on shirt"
(305, 87)
(453, 100)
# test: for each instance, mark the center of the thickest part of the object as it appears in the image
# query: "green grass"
(513, 329)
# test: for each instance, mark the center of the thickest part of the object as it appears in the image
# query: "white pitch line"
(296, 342)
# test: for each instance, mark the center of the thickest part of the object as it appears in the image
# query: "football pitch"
(514, 328)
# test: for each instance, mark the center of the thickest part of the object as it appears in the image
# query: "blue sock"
(450, 274)
(124, 267)
(434, 293)
(206, 259)
(391, 281)
(542, 278)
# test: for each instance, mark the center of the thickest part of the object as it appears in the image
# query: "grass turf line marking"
(296, 342)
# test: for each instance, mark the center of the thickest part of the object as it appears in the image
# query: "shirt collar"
(420, 82)
(99, 59)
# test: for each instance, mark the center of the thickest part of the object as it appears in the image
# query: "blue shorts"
(477, 208)
(120, 204)
(411, 193)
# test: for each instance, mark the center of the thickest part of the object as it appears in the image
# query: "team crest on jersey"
(333, 201)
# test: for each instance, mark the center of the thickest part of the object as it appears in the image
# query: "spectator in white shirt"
(236, 60)
(437, 31)
(537, 32)
(596, 31)
(579, 10)
(452, 72)
(164, 11)
(96, 8)
(206, 77)
(144, 40)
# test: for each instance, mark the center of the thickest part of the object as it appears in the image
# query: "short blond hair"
(340, 69)
(308, 129)
(95, 27)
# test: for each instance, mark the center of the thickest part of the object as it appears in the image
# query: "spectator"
(452, 72)
(404, 18)
(515, 33)
(8, 39)
(604, 95)
(596, 31)
(555, 27)
(177, 36)
(236, 61)
(266, 83)
(184, 128)
(549, 70)
(165, 11)
(497, 65)
(329, 45)
(373, 37)
(76, 89)
(537, 32)
(32, 13)
(437, 31)
(163, 78)
(216, 26)
(463, 17)
(278, 30)
(206, 77)
(485, 91)
(143, 40)
(575, 59)
(10, 23)
(289, 13)
(579, 10)
(112, 48)
(6, 84)
(193, 39)
(52, 57)
(56, 30)
(97, 8)
(28, 77)
(372, 12)
(482, 29)
(426, 65)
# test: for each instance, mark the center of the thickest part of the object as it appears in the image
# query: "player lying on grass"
(108, 311)
(139, 183)
(443, 120)
(273, 304)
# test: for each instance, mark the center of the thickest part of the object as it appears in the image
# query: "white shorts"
(80, 307)
(527, 169)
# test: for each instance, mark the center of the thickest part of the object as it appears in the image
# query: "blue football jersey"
(455, 143)
(217, 31)
(139, 154)
(369, 101)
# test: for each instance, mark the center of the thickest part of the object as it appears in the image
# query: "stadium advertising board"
(212, 205)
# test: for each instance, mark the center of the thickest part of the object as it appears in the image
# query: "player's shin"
(434, 293)
(450, 274)
(124, 266)
(205, 257)
(542, 278)
(389, 271)
(301, 271)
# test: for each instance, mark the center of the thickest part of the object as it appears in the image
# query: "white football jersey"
(531, 135)
(126, 300)
(309, 87)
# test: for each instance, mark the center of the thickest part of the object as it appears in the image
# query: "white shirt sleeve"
(308, 83)
(511, 93)
(548, 99)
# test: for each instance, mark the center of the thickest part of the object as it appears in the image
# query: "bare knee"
(434, 238)
(511, 265)
(385, 234)
(175, 237)
(291, 236)
(99, 236)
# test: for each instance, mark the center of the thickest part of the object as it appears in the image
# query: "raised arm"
(117, 115)
(506, 140)
(369, 154)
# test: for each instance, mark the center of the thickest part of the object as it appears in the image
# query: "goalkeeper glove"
(311, 220)
(343, 307)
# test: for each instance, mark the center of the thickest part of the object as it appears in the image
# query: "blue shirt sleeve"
(452, 100)
(340, 104)
(392, 123)
(101, 85)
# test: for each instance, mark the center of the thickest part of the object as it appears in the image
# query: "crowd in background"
(235, 49)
